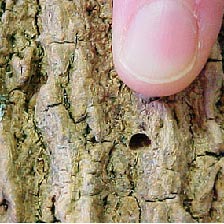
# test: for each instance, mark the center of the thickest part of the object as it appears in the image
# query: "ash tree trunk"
(76, 145)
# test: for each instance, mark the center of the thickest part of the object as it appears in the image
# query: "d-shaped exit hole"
(139, 141)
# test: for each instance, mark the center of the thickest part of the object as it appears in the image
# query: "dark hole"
(11, 38)
(53, 209)
(3, 8)
(93, 140)
(4, 204)
(53, 199)
(88, 129)
(187, 204)
(105, 200)
(138, 141)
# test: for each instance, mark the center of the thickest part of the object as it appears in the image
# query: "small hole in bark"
(88, 129)
(105, 200)
(53, 208)
(187, 204)
(138, 141)
(93, 139)
(3, 8)
(4, 204)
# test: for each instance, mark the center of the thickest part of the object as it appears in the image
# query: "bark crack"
(139, 209)
(63, 42)
(49, 106)
(55, 219)
(166, 197)
(66, 103)
(37, 17)
(215, 191)
(105, 162)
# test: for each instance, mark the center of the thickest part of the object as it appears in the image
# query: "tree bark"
(76, 145)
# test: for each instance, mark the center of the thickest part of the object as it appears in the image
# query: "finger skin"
(209, 18)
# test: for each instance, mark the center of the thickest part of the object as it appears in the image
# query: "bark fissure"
(55, 219)
(139, 209)
(38, 10)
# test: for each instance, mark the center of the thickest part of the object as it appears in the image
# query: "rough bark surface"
(76, 145)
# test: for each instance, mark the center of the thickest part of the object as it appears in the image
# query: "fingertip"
(159, 47)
